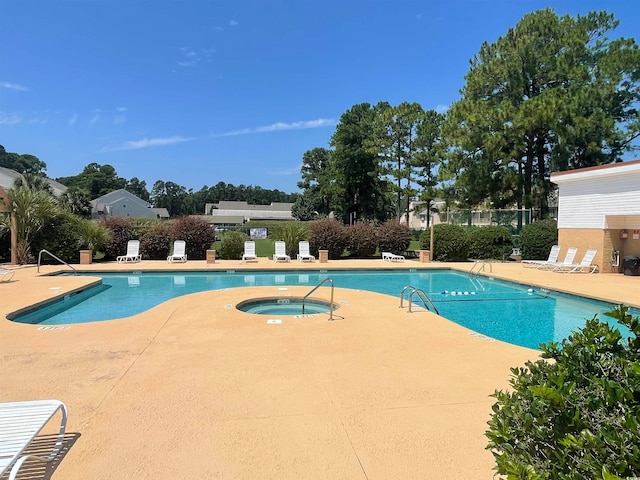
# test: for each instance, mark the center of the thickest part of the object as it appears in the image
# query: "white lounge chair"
(586, 265)
(281, 252)
(6, 275)
(553, 258)
(569, 258)
(303, 252)
(249, 251)
(179, 252)
(133, 253)
(20, 423)
(392, 257)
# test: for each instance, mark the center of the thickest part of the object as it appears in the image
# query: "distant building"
(121, 203)
(9, 177)
(241, 211)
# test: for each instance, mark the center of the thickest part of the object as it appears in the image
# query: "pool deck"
(194, 388)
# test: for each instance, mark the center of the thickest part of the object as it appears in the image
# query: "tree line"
(554, 93)
(96, 180)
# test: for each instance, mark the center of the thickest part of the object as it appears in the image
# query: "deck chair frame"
(20, 423)
(303, 252)
(6, 275)
(249, 251)
(281, 252)
(179, 252)
(133, 253)
(392, 257)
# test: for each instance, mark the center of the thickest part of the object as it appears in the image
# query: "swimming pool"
(515, 313)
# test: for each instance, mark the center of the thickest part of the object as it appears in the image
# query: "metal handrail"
(57, 258)
(421, 294)
(481, 266)
(328, 279)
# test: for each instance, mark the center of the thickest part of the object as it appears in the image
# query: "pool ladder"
(52, 255)
(329, 280)
(426, 301)
(481, 264)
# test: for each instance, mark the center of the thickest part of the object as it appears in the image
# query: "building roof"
(9, 177)
(611, 169)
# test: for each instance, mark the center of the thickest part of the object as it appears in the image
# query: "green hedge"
(490, 242)
(537, 238)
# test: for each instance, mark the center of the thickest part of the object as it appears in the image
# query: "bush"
(121, 230)
(155, 242)
(59, 236)
(450, 243)
(328, 234)
(393, 237)
(291, 233)
(576, 416)
(492, 241)
(232, 245)
(363, 240)
(197, 233)
(537, 238)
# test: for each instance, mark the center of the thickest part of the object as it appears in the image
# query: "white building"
(121, 203)
(599, 207)
(228, 209)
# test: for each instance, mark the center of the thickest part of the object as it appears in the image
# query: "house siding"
(585, 204)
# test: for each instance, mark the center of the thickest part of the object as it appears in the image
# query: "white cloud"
(320, 122)
(119, 120)
(95, 118)
(121, 109)
(442, 108)
(73, 119)
(233, 23)
(286, 171)
(9, 119)
(13, 86)
(145, 143)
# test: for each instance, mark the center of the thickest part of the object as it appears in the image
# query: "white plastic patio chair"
(392, 257)
(586, 265)
(6, 275)
(553, 258)
(569, 258)
(133, 253)
(303, 252)
(20, 423)
(249, 251)
(281, 252)
(179, 252)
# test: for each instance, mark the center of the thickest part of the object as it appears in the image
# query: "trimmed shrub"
(394, 237)
(575, 414)
(537, 238)
(155, 242)
(492, 241)
(328, 234)
(450, 242)
(121, 230)
(232, 245)
(197, 233)
(363, 240)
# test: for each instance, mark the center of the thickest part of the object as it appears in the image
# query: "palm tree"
(32, 208)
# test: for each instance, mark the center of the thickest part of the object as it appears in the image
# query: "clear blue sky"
(202, 91)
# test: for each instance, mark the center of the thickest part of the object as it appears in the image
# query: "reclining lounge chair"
(20, 423)
(179, 252)
(133, 253)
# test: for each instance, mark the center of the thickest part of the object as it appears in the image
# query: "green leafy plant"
(91, 235)
(537, 238)
(232, 245)
(491, 241)
(450, 243)
(291, 233)
(328, 234)
(575, 413)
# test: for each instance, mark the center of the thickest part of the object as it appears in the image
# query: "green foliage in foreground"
(575, 414)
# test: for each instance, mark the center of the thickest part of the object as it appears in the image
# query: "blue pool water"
(506, 311)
